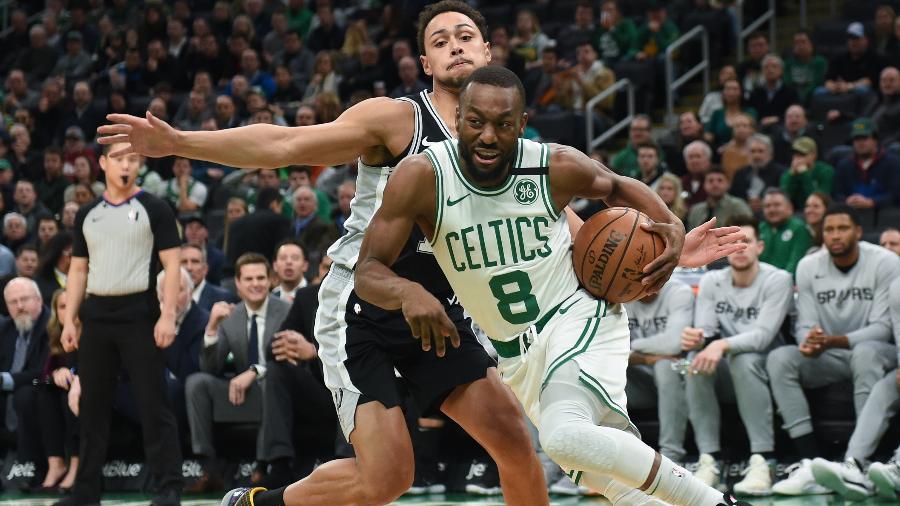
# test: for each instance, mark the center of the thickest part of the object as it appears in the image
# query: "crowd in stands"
(799, 147)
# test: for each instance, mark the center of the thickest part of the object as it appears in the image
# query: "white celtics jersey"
(505, 251)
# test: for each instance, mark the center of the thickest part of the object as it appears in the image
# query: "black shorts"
(379, 341)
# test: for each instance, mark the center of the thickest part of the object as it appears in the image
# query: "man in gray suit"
(233, 362)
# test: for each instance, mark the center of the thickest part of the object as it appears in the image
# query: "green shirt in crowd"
(805, 76)
(798, 186)
(786, 244)
(655, 43)
(625, 162)
(617, 44)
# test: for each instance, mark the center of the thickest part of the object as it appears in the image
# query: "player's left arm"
(879, 324)
(407, 199)
(573, 174)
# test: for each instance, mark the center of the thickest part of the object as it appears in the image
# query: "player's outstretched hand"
(657, 272)
(706, 244)
(148, 136)
(428, 321)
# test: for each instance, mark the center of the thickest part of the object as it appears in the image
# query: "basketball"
(610, 252)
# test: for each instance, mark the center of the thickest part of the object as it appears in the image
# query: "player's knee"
(577, 446)
(747, 367)
(782, 359)
(865, 355)
(194, 383)
(389, 483)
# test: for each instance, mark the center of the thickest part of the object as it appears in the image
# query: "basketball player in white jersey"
(492, 205)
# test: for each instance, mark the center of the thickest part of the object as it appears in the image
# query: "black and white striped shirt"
(122, 243)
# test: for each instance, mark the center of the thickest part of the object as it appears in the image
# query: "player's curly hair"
(431, 11)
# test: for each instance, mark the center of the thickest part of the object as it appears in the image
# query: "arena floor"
(434, 500)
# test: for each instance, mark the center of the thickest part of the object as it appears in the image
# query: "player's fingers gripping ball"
(610, 252)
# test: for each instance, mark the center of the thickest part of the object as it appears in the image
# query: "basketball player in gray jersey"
(846, 478)
(843, 330)
(744, 305)
(655, 323)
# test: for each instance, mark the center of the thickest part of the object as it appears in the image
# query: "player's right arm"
(360, 129)
(408, 199)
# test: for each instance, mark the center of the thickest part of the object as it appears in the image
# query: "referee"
(120, 240)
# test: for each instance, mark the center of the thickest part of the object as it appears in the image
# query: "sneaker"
(844, 478)
(482, 478)
(708, 470)
(565, 486)
(800, 481)
(730, 500)
(886, 478)
(757, 478)
(241, 496)
(424, 484)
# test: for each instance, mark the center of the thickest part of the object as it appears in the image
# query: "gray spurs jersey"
(894, 300)
(417, 257)
(854, 303)
(656, 326)
(747, 317)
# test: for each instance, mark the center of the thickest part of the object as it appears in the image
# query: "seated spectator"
(500, 39)
(286, 90)
(82, 112)
(625, 162)
(290, 268)
(58, 424)
(52, 186)
(327, 36)
(855, 70)
(186, 195)
(718, 203)
(259, 231)
(712, 101)
(804, 70)
(783, 136)
(204, 293)
(581, 30)
(38, 59)
(654, 36)
(226, 115)
(616, 36)
(814, 214)
(773, 96)
(48, 227)
(410, 84)
(196, 112)
(299, 60)
(325, 78)
(23, 352)
(314, 233)
(53, 266)
(651, 170)
(295, 394)
(655, 323)
(245, 331)
(302, 175)
(883, 28)
(785, 235)
(256, 76)
(235, 208)
(718, 129)
(698, 160)
(669, 190)
(73, 147)
(542, 84)
(885, 113)
(18, 94)
(871, 177)
(890, 239)
(585, 80)
(761, 173)
(163, 66)
(15, 231)
(689, 129)
(807, 174)
(75, 64)
(739, 313)
(363, 74)
(149, 180)
(196, 232)
(83, 174)
(346, 192)
(842, 330)
(529, 41)
(749, 71)
(735, 153)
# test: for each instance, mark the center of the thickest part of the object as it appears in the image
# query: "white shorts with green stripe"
(590, 332)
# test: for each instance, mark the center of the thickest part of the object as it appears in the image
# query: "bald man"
(310, 230)
(410, 84)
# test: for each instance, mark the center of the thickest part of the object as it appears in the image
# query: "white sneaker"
(886, 478)
(757, 478)
(708, 470)
(800, 481)
(565, 486)
(845, 478)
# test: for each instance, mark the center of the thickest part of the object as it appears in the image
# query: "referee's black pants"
(118, 333)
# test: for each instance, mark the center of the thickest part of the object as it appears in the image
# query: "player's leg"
(751, 388)
(501, 430)
(706, 418)
(672, 409)
(869, 361)
(570, 411)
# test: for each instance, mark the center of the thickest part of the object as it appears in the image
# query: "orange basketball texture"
(610, 251)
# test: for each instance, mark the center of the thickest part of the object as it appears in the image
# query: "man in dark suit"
(204, 294)
(23, 351)
(296, 398)
(315, 234)
(231, 391)
(258, 232)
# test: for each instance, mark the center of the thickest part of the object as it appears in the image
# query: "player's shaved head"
(500, 77)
